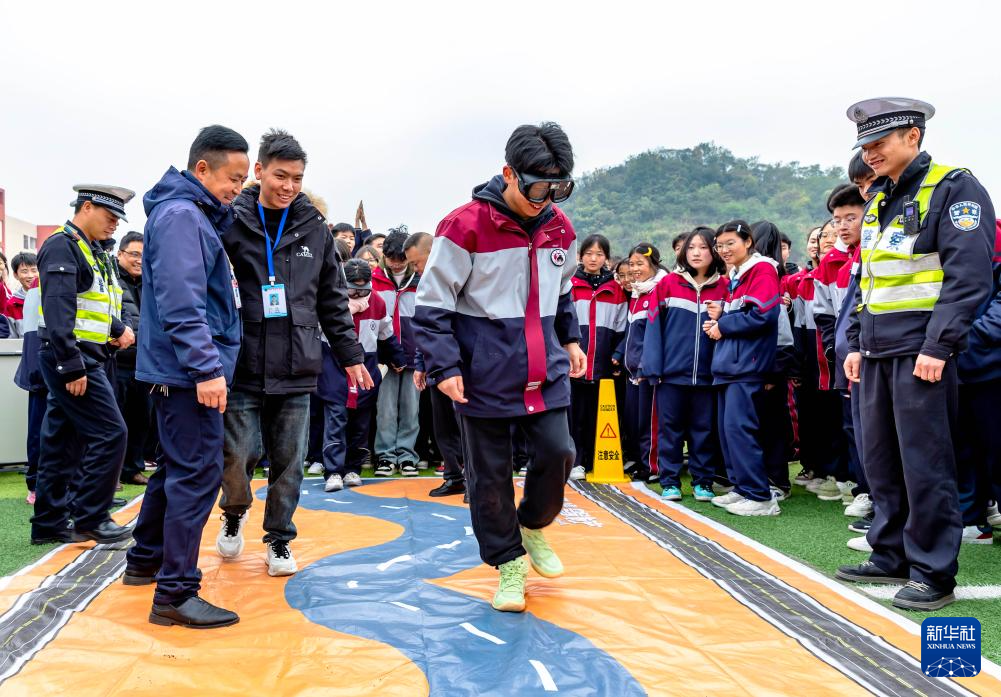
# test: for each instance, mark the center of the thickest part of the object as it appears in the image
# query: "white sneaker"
(812, 485)
(859, 544)
(315, 468)
(280, 559)
(993, 516)
(719, 489)
(754, 508)
(846, 492)
(229, 541)
(975, 535)
(860, 507)
(333, 483)
(777, 493)
(352, 479)
(726, 499)
(577, 473)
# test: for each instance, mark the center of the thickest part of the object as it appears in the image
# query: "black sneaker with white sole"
(921, 596)
(867, 572)
(385, 468)
(861, 525)
(409, 469)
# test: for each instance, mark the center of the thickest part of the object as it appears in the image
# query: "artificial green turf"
(15, 527)
(815, 532)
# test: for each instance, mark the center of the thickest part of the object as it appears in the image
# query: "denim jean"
(397, 418)
(285, 420)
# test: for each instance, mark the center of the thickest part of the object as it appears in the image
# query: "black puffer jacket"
(132, 291)
(282, 355)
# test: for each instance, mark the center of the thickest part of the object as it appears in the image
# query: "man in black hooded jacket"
(291, 288)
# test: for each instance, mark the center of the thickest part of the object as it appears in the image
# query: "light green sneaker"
(510, 595)
(827, 490)
(543, 558)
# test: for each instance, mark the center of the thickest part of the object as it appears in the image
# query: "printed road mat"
(392, 599)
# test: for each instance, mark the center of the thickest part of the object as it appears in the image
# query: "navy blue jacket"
(749, 325)
(981, 361)
(191, 325)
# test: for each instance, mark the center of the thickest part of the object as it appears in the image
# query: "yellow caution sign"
(607, 444)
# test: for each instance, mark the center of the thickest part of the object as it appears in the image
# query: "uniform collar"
(913, 173)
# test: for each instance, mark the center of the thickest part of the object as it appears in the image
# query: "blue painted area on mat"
(354, 592)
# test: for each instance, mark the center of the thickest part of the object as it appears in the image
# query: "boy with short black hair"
(494, 312)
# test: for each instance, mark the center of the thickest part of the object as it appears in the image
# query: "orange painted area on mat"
(893, 633)
(111, 648)
(675, 631)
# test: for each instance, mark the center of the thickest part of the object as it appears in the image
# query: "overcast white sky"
(408, 105)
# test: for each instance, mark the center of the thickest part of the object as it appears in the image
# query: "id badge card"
(274, 300)
(236, 293)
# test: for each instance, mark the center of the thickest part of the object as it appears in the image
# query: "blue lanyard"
(270, 248)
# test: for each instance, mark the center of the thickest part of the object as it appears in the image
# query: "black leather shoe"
(449, 488)
(107, 532)
(867, 572)
(137, 576)
(58, 538)
(117, 503)
(921, 596)
(194, 613)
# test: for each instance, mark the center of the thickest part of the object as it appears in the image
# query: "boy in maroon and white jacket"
(496, 326)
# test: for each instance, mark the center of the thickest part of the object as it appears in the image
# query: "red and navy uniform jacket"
(400, 303)
(828, 297)
(374, 326)
(676, 350)
(495, 307)
(981, 361)
(846, 288)
(806, 339)
(749, 324)
(601, 314)
(640, 308)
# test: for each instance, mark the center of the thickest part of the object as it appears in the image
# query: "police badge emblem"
(558, 257)
(965, 215)
(869, 218)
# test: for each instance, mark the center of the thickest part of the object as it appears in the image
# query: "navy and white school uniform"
(743, 361)
(602, 307)
(678, 358)
(347, 410)
(642, 304)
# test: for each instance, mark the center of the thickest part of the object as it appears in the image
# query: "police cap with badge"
(875, 118)
(113, 198)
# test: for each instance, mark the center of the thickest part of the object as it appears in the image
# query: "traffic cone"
(607, 444)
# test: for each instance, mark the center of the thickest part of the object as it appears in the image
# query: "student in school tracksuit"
(646, 272)
(398, 406)
(602, 307)
(495, 322)
(746, 329)
(803, 293)
(348, 410)
(677, 358)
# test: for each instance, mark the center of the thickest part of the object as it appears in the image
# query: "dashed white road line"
(443, 516)
(483, 635)
(449, 545)
(469, 530)
(548, 684)
(352, 584)
(336, 501)
(395, 560)
(305, 491)
(396, 508)
(404, 606)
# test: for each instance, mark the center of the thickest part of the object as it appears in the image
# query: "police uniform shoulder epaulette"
(957, 173)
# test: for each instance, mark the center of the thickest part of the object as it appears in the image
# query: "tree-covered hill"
(657, 194)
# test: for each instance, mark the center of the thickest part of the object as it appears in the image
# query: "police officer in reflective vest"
(79, 323)
(927, 239)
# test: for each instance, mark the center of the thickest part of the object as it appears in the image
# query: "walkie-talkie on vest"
(911, 217)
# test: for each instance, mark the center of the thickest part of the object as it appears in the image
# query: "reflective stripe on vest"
(96, 306)
(894, 279)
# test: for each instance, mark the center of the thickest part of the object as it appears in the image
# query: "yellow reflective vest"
(96, 306)
(893, 278)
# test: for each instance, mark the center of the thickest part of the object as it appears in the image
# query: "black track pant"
(489, 461)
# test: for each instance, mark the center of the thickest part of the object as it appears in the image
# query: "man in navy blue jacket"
(188, 351)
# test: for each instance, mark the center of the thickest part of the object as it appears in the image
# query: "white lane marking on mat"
(443, 516)
(352, 584)
(404, 606)
(395, 560)
(483, 635)
(449, 545)
(395, 508)
(469, 530)
(548, 684)
(336, 501)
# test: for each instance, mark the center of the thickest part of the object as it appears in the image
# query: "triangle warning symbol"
(608, 432)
